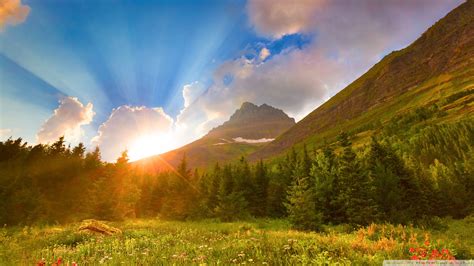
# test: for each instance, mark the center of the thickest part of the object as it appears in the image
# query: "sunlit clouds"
(142, 131)
(282, 17)
(12, 12)
(264, 53)
(66, 121)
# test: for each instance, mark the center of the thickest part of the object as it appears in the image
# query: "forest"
(410, 171)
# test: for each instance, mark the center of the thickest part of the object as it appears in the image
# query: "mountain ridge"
(442, 54)
(246, 130)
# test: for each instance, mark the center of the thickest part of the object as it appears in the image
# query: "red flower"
(412, 250)
(445, 251)
(427, 243)
(414, 257)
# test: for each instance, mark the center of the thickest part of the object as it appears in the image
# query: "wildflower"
(414, 257)
(427, 243)
(445, 251)
(412, 250)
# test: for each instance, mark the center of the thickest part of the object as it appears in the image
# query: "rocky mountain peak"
(254, 121)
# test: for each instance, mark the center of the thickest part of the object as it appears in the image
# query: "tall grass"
(145, 242)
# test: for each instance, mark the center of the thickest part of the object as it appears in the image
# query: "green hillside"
(435, 68)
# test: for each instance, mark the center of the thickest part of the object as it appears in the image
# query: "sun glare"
(145, 146)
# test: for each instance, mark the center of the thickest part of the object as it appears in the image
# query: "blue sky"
(113, 53)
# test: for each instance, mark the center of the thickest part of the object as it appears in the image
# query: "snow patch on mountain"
(263, 140)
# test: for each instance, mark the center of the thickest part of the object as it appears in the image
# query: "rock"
(98, 227)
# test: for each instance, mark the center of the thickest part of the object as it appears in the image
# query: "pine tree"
(260, 184)
(301, 207)
(354, 199)
(231, 202)
(323, 173)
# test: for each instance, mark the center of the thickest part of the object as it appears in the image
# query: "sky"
(150, 76)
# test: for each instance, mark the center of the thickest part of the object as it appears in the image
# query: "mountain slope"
(246, 130)
(438, 64)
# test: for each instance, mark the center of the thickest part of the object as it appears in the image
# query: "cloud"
(295, 81)
(12, 12)
(66, 121)
(5, 133)
(191, 92)
(347, 38)
(140, 130)
(355, 28)
(264, 53)
(282, 17)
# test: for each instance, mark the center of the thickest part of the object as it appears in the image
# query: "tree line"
(400, 176)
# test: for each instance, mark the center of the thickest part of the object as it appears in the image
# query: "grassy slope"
(259, 241)
(201, 153)
(438, 64)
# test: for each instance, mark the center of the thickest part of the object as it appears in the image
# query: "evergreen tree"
(231, 202)
(260, 184)
(300, 205)
(354, 197)
(323, 173)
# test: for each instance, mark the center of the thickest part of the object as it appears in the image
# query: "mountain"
(439, 64)
(249, 128)
(253, 122)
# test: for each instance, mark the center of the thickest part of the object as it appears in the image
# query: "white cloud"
(142, 131)
(66, 121)
(191, 92)
(12, 12)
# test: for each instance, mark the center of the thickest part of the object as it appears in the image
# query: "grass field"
(144, 242)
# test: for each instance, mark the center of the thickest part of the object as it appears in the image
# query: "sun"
(148, 145)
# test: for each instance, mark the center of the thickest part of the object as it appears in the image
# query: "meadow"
(259, 241)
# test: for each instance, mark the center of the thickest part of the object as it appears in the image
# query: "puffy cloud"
(12, 12)
(142, 131)
(191, 92)
(66, 121)
(355, 28)
(281, 17)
